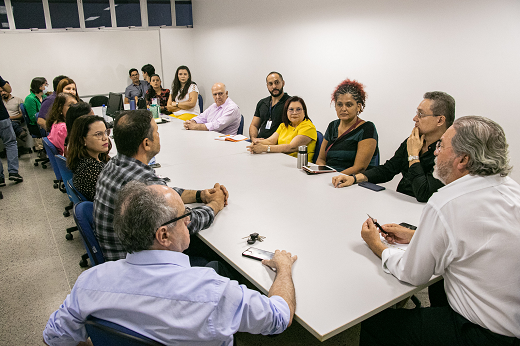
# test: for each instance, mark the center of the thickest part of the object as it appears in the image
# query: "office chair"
(318, 147)
(51, 151)
(76, 195)
(105, 333)
(241, 126)
(98, 101)
(66, 176)
(201, 103)
(84, 216)
(36, 132)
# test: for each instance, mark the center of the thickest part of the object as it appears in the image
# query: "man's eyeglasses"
(187, 213)
(421, 115)
(439, 146)
(101, 134)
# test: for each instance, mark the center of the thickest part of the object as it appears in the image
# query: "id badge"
(268, 125)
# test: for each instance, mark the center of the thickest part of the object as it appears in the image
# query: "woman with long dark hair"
(156, 91)
(56, 120)
(184, 96)
(88, 153)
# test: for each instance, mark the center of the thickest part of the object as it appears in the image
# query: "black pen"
(377, 224)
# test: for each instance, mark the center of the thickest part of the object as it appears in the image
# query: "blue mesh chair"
(201, 103)
(318, 147)
(241, 126)
(84, 216)
(36, 132)
(51, 151)
(105, 333)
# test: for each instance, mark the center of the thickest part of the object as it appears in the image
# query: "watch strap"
(197, 197)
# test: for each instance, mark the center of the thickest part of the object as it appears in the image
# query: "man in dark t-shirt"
(9, 138)
(268, 113)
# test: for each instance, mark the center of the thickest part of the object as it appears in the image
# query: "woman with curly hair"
(350, 143)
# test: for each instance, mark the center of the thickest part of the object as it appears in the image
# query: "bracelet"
(354, 176)
(197, 197)
(268, 148)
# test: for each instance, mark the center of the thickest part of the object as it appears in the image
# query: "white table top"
(338, 280)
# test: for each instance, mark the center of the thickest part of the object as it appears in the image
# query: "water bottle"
(132, 104)
(104, 112)
(302, 159)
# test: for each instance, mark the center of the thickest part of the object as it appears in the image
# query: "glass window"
(97, 13)
(183, 13)
(28, 14)
(64, 14)
(4, 23)
(159, 12)
(128, 13)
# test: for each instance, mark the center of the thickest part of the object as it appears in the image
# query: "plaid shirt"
(118, 171)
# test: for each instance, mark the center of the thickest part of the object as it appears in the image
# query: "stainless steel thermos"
(302, 159)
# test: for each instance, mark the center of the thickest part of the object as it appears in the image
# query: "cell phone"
(315, 169)
(407, 225)
(257, 254)
(371, 186)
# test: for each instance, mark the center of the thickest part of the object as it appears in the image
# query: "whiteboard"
(98, 61)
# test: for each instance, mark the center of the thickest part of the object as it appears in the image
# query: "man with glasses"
(268, 113)
(470, 234)
(154, 290)
(137, 139)
(138, 87)
(223, 116)
(414, 158)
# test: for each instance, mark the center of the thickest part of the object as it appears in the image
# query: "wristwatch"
(177, 104)
(411, 158)
(268, 148)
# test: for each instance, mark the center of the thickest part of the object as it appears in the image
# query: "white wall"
(398, 49)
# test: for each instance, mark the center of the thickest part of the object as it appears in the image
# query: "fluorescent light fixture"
(3, 10)
(5, 25)
(108, 8)
(91, 18)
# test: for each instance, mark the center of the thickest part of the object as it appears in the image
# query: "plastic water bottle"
(104, 112)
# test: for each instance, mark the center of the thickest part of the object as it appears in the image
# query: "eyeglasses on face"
(422, 115)
(294, 110)
(187, 213)
(101, 134)
(439, 146)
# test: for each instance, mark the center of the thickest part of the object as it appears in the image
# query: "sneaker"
(2, 182)
(16, 177)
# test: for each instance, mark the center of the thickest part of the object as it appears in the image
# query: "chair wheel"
(44, 166)
(83, 263)
(69, 236)
(55, 185)
(66, 213)
(36, 164)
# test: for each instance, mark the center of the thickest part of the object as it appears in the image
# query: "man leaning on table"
(470, 234)
(223, 116)
(268, 113)
(137, 140)
(414, 158)
(154, 290)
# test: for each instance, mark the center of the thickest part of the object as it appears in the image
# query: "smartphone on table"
(257, 254)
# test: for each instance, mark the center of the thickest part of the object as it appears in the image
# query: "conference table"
(339, 282)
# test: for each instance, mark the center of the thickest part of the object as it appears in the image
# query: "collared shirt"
(139, 90)
(224, 119)
(118, 171)
(265, 112)
(13, 107)
(469, 233)
(46, 106)
(417, 181)
(157, 294)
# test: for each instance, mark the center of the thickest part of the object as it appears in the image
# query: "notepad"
(231, 138)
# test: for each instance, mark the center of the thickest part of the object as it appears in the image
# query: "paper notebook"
(231, 138)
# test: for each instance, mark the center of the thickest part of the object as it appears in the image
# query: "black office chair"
(98, 101)
(36, 132)
(105, 333)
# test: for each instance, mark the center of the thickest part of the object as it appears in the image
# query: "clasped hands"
(218, 194)
(256, 147)
(189, 124)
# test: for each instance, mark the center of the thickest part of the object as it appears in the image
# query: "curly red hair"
(352, 87)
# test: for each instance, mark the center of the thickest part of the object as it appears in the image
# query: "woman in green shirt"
(33, 102)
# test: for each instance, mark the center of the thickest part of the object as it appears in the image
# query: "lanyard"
(343, 135)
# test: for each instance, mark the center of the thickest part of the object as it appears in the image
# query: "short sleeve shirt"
(13, 106)
(305, 128)
(343, 153)
(196, 109)
(265, 112)
(133, 90)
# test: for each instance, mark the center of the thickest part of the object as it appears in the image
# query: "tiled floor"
(38, 266)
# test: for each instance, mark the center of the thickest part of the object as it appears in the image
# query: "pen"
(377, 224)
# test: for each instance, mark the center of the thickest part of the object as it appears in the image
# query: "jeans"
(9, 138)
(17, 127)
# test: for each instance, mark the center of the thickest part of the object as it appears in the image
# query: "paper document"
(231, 138)
(394, 246)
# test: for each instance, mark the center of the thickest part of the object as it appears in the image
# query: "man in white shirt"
(470, 234)
(223, 116)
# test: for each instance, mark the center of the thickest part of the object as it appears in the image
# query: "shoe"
(2, 182)
(42, 155)
(16, 177)
(23, 136)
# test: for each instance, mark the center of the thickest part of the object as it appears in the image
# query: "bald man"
(223, 116)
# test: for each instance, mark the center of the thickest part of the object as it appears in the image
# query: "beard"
(278, 92)
(442, 171)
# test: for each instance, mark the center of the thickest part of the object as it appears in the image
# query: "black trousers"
(427, 326)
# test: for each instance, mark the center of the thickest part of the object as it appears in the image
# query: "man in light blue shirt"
(156, 293)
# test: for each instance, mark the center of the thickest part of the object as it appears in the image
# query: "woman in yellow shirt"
(296, 129)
